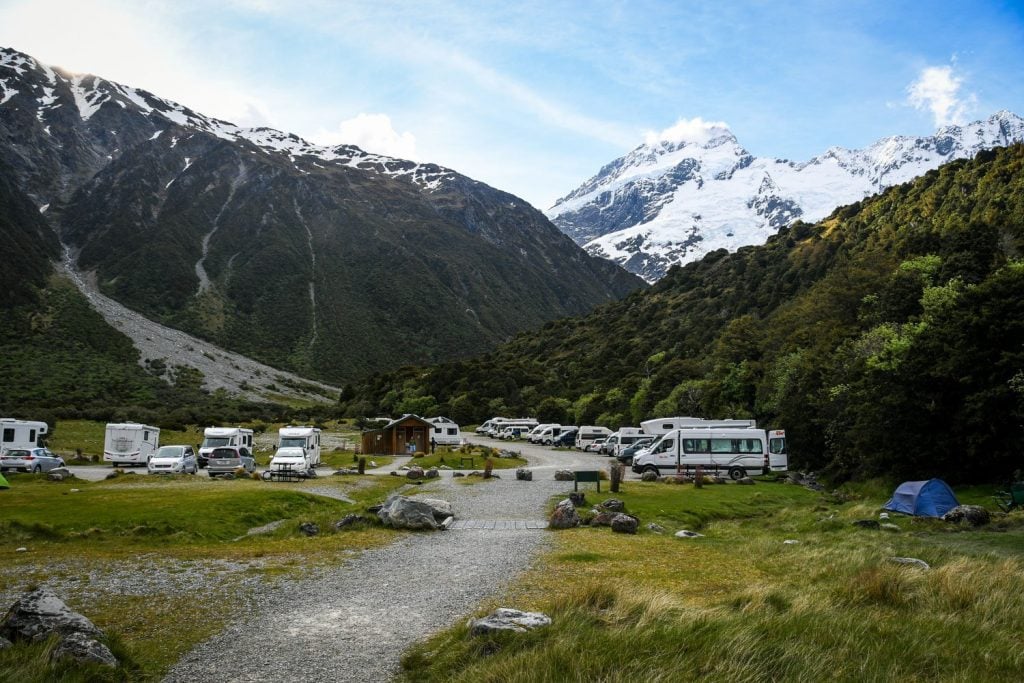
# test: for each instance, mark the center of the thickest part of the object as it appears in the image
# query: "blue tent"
(931, 498)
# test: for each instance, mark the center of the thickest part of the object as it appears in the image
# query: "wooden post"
(616, 476)
(488, 467)
(362, 465)
(698, 477)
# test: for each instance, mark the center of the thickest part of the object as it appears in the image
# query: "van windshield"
(214, 441)
(170, 452)
(293, 442)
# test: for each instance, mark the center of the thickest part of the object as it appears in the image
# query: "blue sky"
(534, 97)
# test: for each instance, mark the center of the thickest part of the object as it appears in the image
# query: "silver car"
(173, 460)
(228, 459)
(29, 460)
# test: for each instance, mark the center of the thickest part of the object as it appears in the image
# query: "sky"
(534, 97)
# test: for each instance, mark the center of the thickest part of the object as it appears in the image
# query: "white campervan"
(21, 434)
(516, 429)
(664, 425)
(736, 451)
(307, 438)
(130, 443)
(492, 425)
(218, 437)
(588, 434)
(626, 436)
(445, 432)
(533, 436)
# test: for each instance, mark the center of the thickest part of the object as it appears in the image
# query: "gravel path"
(352, 623)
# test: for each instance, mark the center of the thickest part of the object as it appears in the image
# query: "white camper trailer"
(445, 431)
(130, 443)
(664, 425)
(217, 437)
(307, 438)
(21, 434)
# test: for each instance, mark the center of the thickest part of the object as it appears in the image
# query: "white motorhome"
(493, 424)
(516, 429)
(588, 434)
(307, 438)
(446, 432)
(130, 443)
(21, 434)
(664, 425)
(626, 436)
(736, 451)
(533, 435)
(548, 435)
(216, 437)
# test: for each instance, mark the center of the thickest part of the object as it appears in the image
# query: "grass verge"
(740, 604)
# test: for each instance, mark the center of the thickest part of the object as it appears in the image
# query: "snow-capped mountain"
(331, 261)
(672, 201)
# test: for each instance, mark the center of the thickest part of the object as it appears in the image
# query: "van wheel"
(737, 473)
(652, 468)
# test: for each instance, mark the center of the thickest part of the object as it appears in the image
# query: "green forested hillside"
(887, 339)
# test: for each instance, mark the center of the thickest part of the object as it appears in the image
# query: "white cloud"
(373, 133)
(695, 130)
(937, 90)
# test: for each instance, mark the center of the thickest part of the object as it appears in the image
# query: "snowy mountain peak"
(692, 189)
(25, 82)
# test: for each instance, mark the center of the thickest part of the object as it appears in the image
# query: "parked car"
(227, 459)
(566, 439)
(174, 460)
(29, 460)
(594, 446)
(625, 456)
(290, 458)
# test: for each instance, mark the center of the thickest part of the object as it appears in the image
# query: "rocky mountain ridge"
(327, 261)
(671, 202)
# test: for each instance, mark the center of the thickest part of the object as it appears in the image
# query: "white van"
(493, 425)
(306, 438)
(626, 436)
(735, 451)
(588, 434)
(216, 437)
(512, 431)
(533, 436)
(445, 432)
(130, 443)
(21, 434)
(664, 425)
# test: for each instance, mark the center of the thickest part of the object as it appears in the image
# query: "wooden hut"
(395, 437)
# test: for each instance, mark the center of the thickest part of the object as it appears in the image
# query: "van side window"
(8, 435)
(145, 436)
(695, 446)
(777, 446)
(32, 435)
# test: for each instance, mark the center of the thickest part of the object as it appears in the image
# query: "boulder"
(564, 516)
(432, 473)
(59, 474)
(343, 472)
(791, 541)
(457, 474)
(746, 481)
(4, 643)
(83, 648)
(523, 474)
(401, 512)
(39, 613)
(614, 504)
(685, 533)
(578, 498)
(867, 523)
(975, 515)
(889, 526)
(441, 508)
(602, 517)
(656, 528)
(415, 472)
(350, 519)
(505, 619)
(624, 524)
(910, 562)
(309, 528)
(564, 475)
(649, 475)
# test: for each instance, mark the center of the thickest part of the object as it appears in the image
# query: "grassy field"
(139, 526)
(739, 604)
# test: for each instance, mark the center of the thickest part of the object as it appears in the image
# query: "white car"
(173, 460)
(29, 460)
(290, 458)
